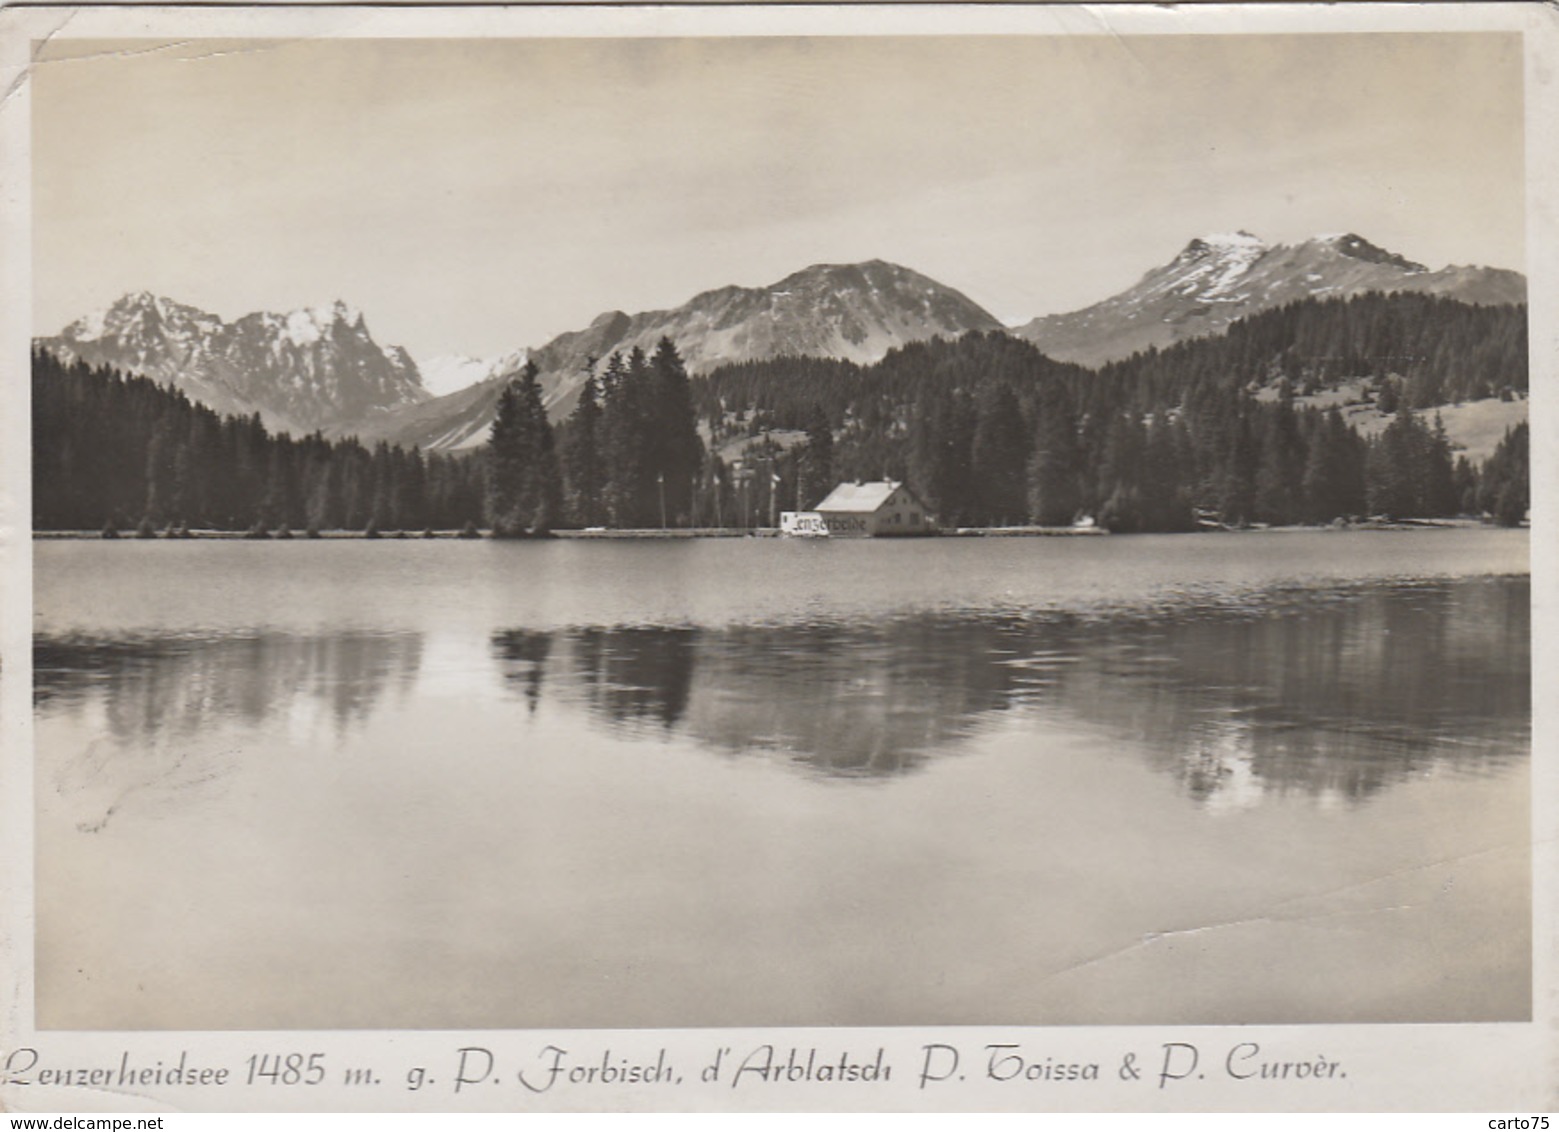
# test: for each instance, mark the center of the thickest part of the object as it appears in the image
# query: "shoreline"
(656, 533)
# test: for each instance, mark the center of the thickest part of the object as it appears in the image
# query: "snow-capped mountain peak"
(1210, 266)
(306, 369)
(1357, 247)
(1228, 242)
(1217, 279)
(311, 324)
(453, 372)
(141, 315)
(88, 327)
(856, 311)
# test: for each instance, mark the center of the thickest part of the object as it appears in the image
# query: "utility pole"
(773, 494)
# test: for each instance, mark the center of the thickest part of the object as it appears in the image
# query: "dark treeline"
(629, 455)
(989, 431)
(1503, 487)
(1426, 349)
(119, 452)
(125, 451)
(986, 429)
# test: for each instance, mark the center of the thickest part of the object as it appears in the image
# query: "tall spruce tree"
(1000, 455)
(1440, 472)
(1333, 479)
(1409, 472)
(678, 453)
(524, 494)
(1054, 471)
(817, 458)
(940, 436)
(1236, 493)
(583, 475)
(1280, 462)
(162, 494)
(1165, 504)
(626, 450)
(411, 490)
(1504, 489)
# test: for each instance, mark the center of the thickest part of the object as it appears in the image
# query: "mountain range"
(320, 368)
(853, 311)
(315, 368)
(1219, 279)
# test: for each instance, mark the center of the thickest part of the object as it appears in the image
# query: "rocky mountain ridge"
(320, 368)
(853, 311)
(1216, 280)
(307, 369)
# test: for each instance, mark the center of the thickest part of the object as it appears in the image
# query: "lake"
(1266, 777)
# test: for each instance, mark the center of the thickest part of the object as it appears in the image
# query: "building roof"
(863, 497)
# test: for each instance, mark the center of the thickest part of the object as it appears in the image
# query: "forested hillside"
(987, 430)
(115, 450)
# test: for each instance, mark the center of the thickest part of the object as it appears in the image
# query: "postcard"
(750, 558)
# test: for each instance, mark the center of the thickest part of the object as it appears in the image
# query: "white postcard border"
(1512, 1067)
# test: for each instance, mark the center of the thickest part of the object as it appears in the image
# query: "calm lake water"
(1276, 777)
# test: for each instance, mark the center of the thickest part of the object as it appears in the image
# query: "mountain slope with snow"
(453, 373)
(321, 369)
(854, 311)
(1216, 280)
(303, 370)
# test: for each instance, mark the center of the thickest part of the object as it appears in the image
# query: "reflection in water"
(1334, 692)
(179, 685)
(524, 656)
(156, 695)
(611, 786)
(844, 700)
(1337, 692)
(637, 674)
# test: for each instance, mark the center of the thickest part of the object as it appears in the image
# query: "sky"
(477, 196)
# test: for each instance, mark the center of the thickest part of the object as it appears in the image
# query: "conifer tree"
(1000, 455)
(382, 507)
(161, 456)
(1054, 484)
(677, 451)
(625, 441)
(1440, 496)
(941, 433)
(583, 475)
(524, 495)
(817, 458)
(1409, 473)
(1504, 490)
(1333, 475)
(411, 490)
(1237, 473)
(1279, 462)
(279, 504)
(1165, 503)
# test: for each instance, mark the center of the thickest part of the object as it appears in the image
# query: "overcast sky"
(477, 196)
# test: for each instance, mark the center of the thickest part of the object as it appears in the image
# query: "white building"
(873, 510)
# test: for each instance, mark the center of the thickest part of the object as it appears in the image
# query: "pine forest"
(1240, 429)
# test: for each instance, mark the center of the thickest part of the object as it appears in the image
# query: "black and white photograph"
(863, 525)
